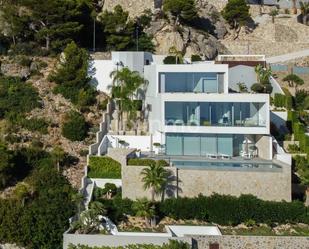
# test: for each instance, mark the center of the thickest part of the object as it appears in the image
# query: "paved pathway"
(287, 57)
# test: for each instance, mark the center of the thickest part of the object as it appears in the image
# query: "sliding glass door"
(202, 144)
(174, 144)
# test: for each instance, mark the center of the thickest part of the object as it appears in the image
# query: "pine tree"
(236, 12)
(72, 77)
(13, 20)
(185, 10)
(51, 20)
(118, 29)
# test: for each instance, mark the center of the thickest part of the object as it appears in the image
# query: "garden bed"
(103, 167)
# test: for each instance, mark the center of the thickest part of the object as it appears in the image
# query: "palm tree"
(98, 207)
(273, 14)
(175, 52)
(155, 179)
(144, 208)
(294, 7)
(124, 89)
(304, 10)
(22, 192)
(58, 155)
(263, 74)
(261, 4)
(90, 220)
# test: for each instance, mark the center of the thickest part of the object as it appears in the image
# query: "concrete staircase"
(88, 192)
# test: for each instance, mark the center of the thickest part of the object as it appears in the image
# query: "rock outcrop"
(202, 40)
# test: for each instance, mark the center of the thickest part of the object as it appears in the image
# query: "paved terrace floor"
(203, 158)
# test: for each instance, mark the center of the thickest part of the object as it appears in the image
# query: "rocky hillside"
(262, 37)
(285, 35)
(54, 108)
(190, 40)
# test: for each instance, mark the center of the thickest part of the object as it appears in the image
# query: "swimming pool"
(183, 164)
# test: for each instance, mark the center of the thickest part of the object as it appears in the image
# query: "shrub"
(75, 127)
(83, 153)
(104, 167)
(293, 148)
(195, 57)
(101, 192)
(170, 59)
(146, 162)
(23, 60)
(257, 87)
(279, 100)
(35, 124)
(16, 97)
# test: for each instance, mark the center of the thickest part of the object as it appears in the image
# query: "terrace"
(248, 114)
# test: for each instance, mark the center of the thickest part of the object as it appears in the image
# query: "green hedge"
(104, 167)
(146, 162)
(279, 100)
(283, 100)
(229, 210)
(219, 209)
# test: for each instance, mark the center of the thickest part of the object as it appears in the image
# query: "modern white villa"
(216, 138)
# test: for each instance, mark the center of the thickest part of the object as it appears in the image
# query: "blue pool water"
(225, 165)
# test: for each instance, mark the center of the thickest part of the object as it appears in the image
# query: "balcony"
(229, 114)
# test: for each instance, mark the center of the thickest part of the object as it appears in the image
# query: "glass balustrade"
(215, 114)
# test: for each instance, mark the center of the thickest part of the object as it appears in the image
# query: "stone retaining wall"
(265, 185)
(132, 184)
(264, 47)
(251, 242)
(274, 186)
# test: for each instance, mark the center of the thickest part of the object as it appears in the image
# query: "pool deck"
(205, 159)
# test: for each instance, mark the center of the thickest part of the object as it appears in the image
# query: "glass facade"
(191, 82)
(204, 144)
(215, 114)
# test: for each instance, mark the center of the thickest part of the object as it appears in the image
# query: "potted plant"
(157, 147)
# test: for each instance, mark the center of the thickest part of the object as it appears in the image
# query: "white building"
(193, 109)
(190, 105)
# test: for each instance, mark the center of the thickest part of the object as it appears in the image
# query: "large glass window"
(191, 145)
(215, 114)
(174, 144)
(205, 144)
(191, 82)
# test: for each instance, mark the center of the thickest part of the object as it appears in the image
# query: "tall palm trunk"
(152, 194)
(294, 7)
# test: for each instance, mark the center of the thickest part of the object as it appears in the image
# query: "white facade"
(191, 104)
(135, 61)
(190, 109)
